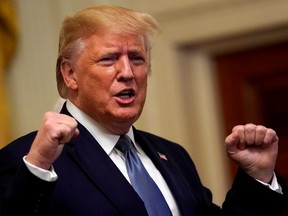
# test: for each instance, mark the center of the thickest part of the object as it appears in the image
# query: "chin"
(128, 116)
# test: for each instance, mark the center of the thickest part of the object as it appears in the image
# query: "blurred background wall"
(183, 102)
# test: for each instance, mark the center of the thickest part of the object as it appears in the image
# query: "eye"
(107, 60)
(137, 59)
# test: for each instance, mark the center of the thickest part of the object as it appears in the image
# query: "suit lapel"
(168, 169)
(101, 170)
(103, 173)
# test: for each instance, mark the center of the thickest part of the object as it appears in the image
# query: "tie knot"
(124, 143)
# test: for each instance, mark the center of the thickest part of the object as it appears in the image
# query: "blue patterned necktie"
(141, 181)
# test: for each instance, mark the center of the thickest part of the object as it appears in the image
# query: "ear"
(68, 74)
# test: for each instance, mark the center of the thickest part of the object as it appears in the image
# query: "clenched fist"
(56, 130)
(254, 148)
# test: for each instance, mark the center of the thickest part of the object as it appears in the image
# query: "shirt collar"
(106, 139)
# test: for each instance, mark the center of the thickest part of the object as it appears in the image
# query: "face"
(109, 80)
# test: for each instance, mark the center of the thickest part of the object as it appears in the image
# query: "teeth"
(125, 94)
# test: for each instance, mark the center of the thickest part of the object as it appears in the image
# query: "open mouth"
(126, 94)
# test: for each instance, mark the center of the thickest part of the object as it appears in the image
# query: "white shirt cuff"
(46, 175)
(274, 185)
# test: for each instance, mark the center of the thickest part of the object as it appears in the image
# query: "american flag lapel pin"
(162, 156)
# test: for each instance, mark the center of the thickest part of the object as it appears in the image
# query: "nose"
(124, 69)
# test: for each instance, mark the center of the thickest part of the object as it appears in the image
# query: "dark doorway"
(253, 85)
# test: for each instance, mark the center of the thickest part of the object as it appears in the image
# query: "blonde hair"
(90, 20)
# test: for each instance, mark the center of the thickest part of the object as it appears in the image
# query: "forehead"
(106, 39)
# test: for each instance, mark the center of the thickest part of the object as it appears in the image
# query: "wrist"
(38, 161)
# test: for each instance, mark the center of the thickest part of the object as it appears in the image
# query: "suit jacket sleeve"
(20, 191)
(249, 197)
(27, 194)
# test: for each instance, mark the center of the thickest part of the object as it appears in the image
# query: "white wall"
(186, 112)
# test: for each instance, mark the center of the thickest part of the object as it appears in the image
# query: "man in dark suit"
(70, 166)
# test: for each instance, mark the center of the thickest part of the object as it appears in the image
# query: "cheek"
(97, 89)
(95, 80)
(142, 86)
(90, 88)
(142, 81)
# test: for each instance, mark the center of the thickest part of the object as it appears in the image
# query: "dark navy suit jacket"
(89, 183)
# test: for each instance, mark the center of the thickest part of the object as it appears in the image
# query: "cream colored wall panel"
(225, 20)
